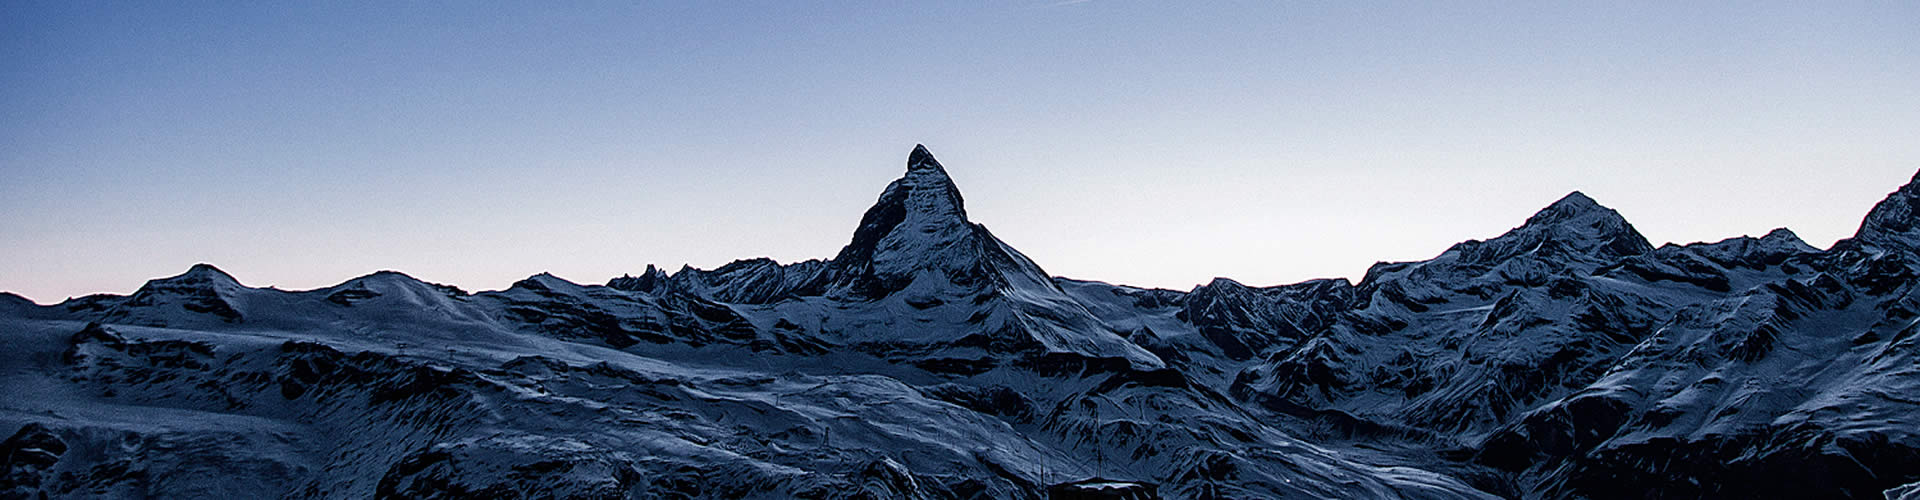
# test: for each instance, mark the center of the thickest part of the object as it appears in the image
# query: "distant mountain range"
(1567, 358)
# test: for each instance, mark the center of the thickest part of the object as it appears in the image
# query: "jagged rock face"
(919, 230)
(1745, 251)
(1721, 266)
(1565, 358)
(566, 310)
(1740, 368)
(1575, 225)
(652, 281)
(1462, 342)
(1892, 224)
(1243, 322)
(750, 281)
(1743, 396)
(756, 281)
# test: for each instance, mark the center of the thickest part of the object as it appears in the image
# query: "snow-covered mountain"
(1566, 358)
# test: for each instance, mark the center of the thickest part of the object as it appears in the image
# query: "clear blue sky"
(299, 144)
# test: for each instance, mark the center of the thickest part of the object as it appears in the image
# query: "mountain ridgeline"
(1566, 358)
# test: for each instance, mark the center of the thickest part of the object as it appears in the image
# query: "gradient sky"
(1146, 143)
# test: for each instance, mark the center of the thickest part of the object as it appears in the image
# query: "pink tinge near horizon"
(1156, 145)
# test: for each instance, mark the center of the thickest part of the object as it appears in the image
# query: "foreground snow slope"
(1567, 358)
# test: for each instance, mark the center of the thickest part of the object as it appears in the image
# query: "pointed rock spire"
(923, 201)
(649, 281)
(916, 249)
(920, 224)
(920, 158)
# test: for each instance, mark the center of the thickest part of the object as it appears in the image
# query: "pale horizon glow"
(1138, 143)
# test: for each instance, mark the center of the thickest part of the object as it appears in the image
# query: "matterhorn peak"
(920, 159)
(920, 224)
(928, 189)
(923, 201)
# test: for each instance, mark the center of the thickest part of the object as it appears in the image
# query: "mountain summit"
(923, 201)
(1574, 226)
(1572, 206)
(202, 289)
(919, 230)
